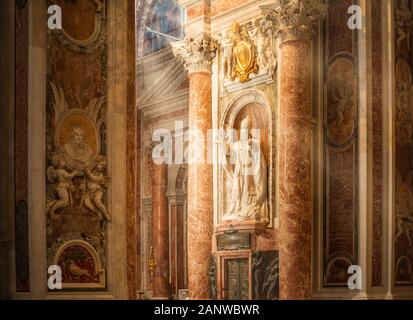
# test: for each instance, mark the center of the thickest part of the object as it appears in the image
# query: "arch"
(91, 270)
(177, 177)
(241, 100)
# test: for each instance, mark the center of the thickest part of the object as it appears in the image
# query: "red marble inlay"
(377, 80)
(21, 137)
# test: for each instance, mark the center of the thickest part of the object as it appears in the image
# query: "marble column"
(197, 55)
(295, 150)
(160, 232)
(295, 172)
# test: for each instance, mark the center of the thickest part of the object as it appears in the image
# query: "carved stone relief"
(246, 181)
(77, 186)
(341, 160)
(341, 97)
(240, 56)
(81, 266)
(248, 52)
(404, 143)
(91, 10)
(404, 24)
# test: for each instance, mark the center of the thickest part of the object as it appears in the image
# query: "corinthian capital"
(295, 19)
(196, 54)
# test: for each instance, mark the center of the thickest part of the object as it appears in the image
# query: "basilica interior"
(125, 132)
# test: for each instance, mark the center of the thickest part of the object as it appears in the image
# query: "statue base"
(251, 224)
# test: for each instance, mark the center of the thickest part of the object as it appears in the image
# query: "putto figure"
(58, 173)
(404, 22)
(96, 182)
(228, 44)
(262, 34)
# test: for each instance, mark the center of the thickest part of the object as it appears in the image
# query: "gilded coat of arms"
(240, 54)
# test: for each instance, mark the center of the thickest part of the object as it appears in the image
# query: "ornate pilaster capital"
(196, 54)
(295, 19)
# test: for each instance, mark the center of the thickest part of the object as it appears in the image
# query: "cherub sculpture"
(404, 22)
(99, 5)
(228, 44)
(58, 173)
(96, 181)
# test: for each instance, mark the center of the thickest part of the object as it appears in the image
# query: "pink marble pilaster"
(160, 231)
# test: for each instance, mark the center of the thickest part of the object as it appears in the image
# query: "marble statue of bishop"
(247, 180)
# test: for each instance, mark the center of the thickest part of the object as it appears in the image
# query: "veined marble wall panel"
(403, 255)
(21, 159)
(340, 147)
(7, 98)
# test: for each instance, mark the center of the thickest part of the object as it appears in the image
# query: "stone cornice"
(295, 19)
(196, 54)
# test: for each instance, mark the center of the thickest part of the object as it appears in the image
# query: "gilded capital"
(295, 19)
(196, 54)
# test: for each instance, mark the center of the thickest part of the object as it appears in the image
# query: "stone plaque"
(233, 240)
